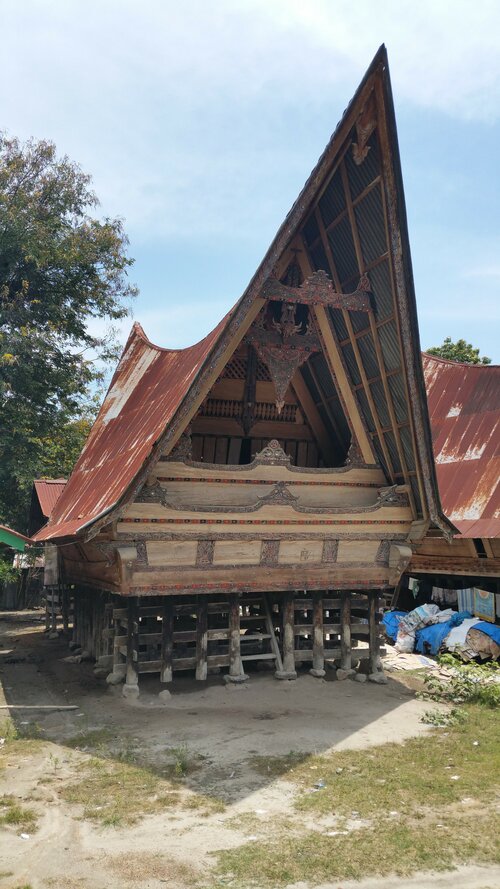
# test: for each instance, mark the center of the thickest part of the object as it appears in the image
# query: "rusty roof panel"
(148, 386)
(464, 407)
(48, 491)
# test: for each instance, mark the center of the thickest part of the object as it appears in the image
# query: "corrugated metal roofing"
(464, 407)
(48, 491)
(147, 388)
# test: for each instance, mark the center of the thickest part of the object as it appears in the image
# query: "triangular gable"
(348, 221)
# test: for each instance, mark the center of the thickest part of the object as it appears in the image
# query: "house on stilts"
(254, 496)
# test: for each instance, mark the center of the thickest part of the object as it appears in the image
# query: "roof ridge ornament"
(318, 290)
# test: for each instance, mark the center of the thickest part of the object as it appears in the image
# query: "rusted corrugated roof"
(464, 407)
(148, 386)
(48, 491)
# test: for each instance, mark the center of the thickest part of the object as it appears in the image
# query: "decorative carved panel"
(318, 290)
(330, 550)
(205, 553)
(269, 553)
(365, 125)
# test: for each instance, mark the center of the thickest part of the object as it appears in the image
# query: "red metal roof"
(48, 491)
(148, 386)
(464, 408)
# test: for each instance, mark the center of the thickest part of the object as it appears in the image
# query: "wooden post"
(65, 609)
(375, 666)
(318, 667)
(288, 642)
(345, 631)
(236, 673)
(202, 639)
(167, 641)
(131, 687)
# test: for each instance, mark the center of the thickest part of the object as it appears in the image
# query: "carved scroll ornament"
(318, 290)
(365, 125)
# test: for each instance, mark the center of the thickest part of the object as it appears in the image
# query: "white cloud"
(190, 116)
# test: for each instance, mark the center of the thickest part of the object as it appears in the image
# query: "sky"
(200, 121)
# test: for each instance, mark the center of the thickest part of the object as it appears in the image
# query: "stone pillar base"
(284, 674)
(317, 673)
(130, 691)
(236, 680)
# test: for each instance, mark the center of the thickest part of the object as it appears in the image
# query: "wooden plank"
(236, 552)
(357, 550)
(171, 552)
(270, 628)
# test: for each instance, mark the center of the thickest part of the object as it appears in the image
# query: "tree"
(59, 268)
(459, 351)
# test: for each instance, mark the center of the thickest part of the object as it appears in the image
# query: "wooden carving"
(182, 450)
(365, 125)
(282, 362)
(272, 455)
(153, 494)
(279, 494)
(269, 553)
(318, 290)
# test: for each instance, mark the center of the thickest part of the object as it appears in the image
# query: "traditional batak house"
(253, 496)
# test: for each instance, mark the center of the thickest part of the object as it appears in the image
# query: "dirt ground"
(218, 727)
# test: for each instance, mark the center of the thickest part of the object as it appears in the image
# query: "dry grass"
(14, 815)
(433, 828)
(149, 866)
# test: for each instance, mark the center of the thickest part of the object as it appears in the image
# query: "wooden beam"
(374, 643)
(332, 352)
(334, 359)
(313, 417)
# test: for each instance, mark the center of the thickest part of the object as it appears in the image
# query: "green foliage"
(459, 351)
(441, 719)
(467, 683)
(59, 268)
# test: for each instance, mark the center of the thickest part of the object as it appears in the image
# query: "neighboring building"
(274, 477)
(464, 407)
(44, 496)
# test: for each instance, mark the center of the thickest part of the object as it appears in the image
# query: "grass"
(433, 828)
(116, 793)
(14, 815)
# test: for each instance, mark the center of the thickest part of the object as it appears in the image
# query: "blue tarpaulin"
(434, 635)
(490, 629)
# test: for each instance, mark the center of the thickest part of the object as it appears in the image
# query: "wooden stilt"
(167, 641)
(202, 639)
(345, 631)
(131, 687)
(236, 673)
(375, 665)
(318, 667)
(288, 643)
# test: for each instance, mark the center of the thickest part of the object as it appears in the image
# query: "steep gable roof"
(348, 220)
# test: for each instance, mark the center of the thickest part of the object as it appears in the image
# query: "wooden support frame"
(236, 673)
(167, 641)
(201, 640)
(373, 634)
(345, 631)
(318, 667)
(288, 639)
(132, 673)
